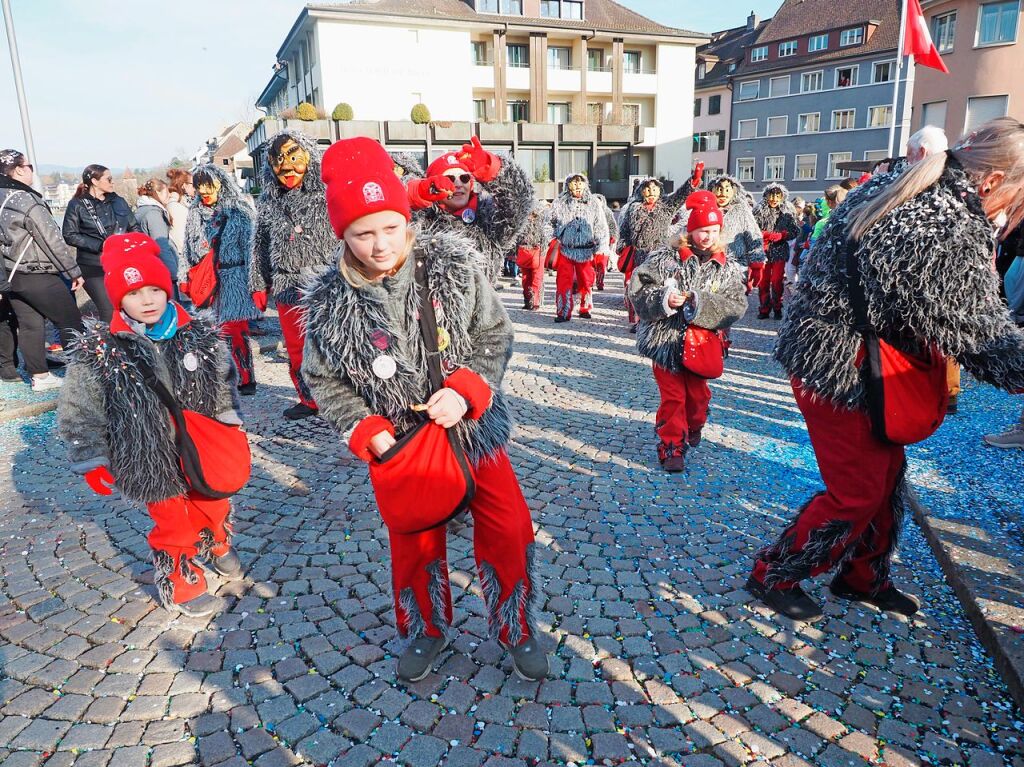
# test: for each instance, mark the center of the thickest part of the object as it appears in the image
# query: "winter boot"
(228, 565)
(247, 390)
(890, 599)
(300, 411)
(585, 315)
(418, 658)
(528, 660)
(694, 437)
(763, 314)
(793, 603)
(561, 319)
(200, 607)
(777, 314)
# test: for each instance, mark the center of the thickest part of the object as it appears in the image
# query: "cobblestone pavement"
(659, 655)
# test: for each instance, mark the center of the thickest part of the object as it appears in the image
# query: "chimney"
(752, 21)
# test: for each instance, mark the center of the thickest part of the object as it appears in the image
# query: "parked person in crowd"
(803, 242)
(529, 257)
(673, 290)
(38, 267)
(151, 211)
(926, 231)
(294, 241)
(221, 221)
(95, 213)
(181, 194)
(117, 430)
(834, 197)
(577, 221)
(365, 386)
(777, 218)
(602, 261)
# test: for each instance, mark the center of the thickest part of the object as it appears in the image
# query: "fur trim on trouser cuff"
(409, 618)
(473, 388)
(517, 615)
(367, 429)
(163, 565)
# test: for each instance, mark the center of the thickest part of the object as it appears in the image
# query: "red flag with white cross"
(917, 39)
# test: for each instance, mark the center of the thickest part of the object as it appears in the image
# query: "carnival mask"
(651, 193)
(209, 193)
(576, 187)
(724, 193)
(774, 199)
(399, 170)
(289, 164)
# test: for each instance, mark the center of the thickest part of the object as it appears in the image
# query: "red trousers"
(769, 287)
(600, 268)
(684, 405)
(184, 527)
(532, 271)
(237, 334)
(503, 545)
(582, 272)
(853, 525)
(754, 272)
(629, 304)
(294, 332)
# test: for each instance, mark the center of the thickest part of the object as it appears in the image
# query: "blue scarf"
(167, 325)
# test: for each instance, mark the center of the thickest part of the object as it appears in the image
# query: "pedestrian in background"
(155, 221)
(181, 194)
(95, 213)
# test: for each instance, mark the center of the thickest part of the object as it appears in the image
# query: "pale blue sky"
(133, 83)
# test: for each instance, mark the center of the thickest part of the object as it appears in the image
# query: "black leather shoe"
(418, 659)
(890, 599)
(299, 411)
(793, 603)
(561, 319)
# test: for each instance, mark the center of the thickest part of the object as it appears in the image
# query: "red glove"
(100, 480)
(482, 164)
(366, 430)
(698, 175)
(425, 192)
(183, 288)
(260, 299)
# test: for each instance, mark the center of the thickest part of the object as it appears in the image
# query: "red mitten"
(698, 175)
(482, 164)
(473, 388)
(366, 430)
(260, 299)
(425, 192)
(100, 480)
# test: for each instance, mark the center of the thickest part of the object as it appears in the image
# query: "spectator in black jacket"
(39, 266)
(94, 214)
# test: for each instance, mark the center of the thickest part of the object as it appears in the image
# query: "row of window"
(714, 105)
(980, 109)
(810, 82)
(559, 57)
(815, 43)
(997, 25)
(559, 112)
(554, 9)
(805, 166)
(842, 119)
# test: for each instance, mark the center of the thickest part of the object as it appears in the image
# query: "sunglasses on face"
(30, 166)
(465, 178)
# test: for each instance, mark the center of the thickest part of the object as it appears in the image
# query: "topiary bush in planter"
(420, 114)
(343, 112)
(306, 111)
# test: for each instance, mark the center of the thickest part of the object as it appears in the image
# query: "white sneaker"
(46, 382)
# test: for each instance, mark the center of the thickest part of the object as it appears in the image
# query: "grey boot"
(418, 659)
(529, 661)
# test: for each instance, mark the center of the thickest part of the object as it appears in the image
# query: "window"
(311, 48)
(514, 6)
(853, 36)
(518, 111)
(811, 81)
(611, 164)
(817, 43)
(595, 59)
(559, 112)
(745, 168)
(696, 107)
(834, 158)
(880, 117)
(997, 23)
(778, 126)
(749, 90)
(809, 123)
(631, 62)
(572, 9)
(846, 76)
(518, 55)
(787, 48)
(883, 72)
(549, 8)
(843, 119)
(559, 58)
(874, 155)
(806, 167)
(479, 53)
(487, 6)
(702, 69)
(479, 110)
(758, 54)
(775, 168)
(573, 161)
(934, 113)
(779, 86)
(732, 68)
(595, 113)
(536, 162)
(943, 31)
(709, 141)
(714, 172)
(714, 105)
(630, 114)
(746, 129)
(981, 109)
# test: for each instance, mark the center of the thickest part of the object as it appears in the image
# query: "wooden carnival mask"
(289, 164)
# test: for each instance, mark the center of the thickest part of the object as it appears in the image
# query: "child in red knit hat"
(684, 299)
(119, 433)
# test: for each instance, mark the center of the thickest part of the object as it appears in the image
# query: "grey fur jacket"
(927, 273)
(348, 328)
(579, 224)
(741, 236)
(719, 300)
(502, 207)
(107, 416)
(229, 227)
(781, 220)
(647, 229)
(294, 239)
(532, 233)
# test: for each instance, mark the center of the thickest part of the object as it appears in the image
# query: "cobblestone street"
(659, 655)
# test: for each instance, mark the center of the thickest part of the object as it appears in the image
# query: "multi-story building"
(980, 45)
(712, 103)
(571, 73)
(817, 88)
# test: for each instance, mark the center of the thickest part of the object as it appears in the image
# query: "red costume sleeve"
(473, 388)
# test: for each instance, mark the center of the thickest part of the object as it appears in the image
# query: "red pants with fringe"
(294, 332)
(184, 527)
(684, 405)
(580, 272)
(770, 286)
(236, 333)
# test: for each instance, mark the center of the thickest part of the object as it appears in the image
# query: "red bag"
(202, 280)
(528, 258)
(551, 258)
(625, 262)
(703, 352)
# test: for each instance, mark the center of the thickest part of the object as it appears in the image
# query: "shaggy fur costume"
(781, 219)
(346, 328)
(579, 225)
(647, 229)
(234, 249)
(719, 301)
(534, 231)
(108, 416)
(283, 258)
(613, 225)
(407, 161)
(927, 273)
(741, 237)
(502, 208)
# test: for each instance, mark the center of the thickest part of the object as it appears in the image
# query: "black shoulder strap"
(855, 287)
(151, 380)
(428, 326)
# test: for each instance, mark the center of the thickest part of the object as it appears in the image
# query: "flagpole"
(19, 88)
(899, 70)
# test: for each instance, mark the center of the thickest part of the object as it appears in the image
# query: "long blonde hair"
(998, 145)
(355, 273)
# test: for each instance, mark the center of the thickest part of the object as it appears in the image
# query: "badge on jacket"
(384, 367)
(468, 215)
(190, 362)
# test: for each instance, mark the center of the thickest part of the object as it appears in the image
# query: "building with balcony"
(980, 43)
(712, 103)
(816, 88)
(586, 85)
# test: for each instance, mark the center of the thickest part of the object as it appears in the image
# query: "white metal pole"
(19, 87)
(899, 73)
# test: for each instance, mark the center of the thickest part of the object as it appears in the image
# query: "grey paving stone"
(173, 754)
(41, 735)
(322, 746)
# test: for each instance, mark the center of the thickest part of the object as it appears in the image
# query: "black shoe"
(418, 659)
(561, 319)
(228, 566)
(529, 661)
(247, 390)
(10, 375)
(694, 437)
(890, 599)
(793, 603)
(763, 314)
(600, 287)
(675, 463)
(300, 411)
(585, 315)
(632, 328)
(778, 314)
(951, 406)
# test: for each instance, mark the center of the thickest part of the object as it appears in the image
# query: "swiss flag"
(918, 40)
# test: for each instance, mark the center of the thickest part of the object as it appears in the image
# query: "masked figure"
(776, 216)
(577, 222)
(603, 259)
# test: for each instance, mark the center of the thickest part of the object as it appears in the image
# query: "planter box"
(545, 190)
(457, 132)
(405, 130)
(619, 134)
(354, 128)
(538, 132)
(317, 129)
(579, 134)
(500, 132)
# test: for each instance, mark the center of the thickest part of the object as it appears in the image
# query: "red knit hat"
(360, 179)
(701, 199)
(132, 261)
(445, 162)
(708, 215)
